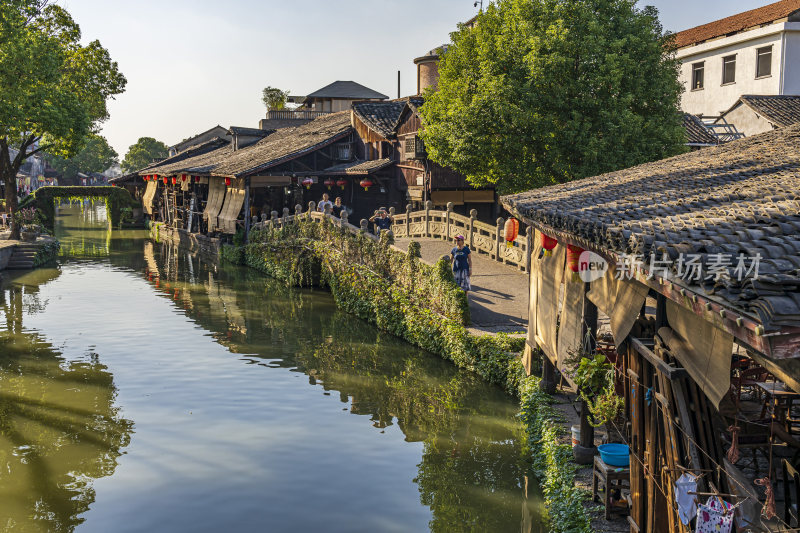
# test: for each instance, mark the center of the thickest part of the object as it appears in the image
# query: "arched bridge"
(44, 198)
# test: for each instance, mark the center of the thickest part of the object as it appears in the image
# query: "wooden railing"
(481, 237)
(431, 224)
(288, 114)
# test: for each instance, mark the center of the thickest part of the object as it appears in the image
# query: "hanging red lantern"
(228, 182)
(328, 183)
(573, 260)
(174, 180)
(197, 179)
(307, 183)
(113, 184)
(183, 177)
(166, 179)
(366, 183)
(511, 230)
(548, 243)
(341, 183)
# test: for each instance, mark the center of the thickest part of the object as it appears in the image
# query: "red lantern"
(183, 177)
(166, 179)
(328, 183)
(511, 230)
(366, 183)
(341, 183)
(228, 182)
(548, 243)
(174, 180)
(307, 183)
(197, 179)
(113, 184)
(573, 257)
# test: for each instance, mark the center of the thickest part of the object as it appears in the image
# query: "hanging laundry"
(687, 504)
(716, 516)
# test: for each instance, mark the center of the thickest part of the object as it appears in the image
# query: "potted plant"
(26, 218)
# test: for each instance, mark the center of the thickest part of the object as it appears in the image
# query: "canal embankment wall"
(420, 303)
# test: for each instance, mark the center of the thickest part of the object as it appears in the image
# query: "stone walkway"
(499, 297)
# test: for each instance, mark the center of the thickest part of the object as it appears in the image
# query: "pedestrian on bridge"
(462, 263)
(382, 220)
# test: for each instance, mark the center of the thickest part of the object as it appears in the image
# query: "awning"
(234, 200)
(147, 198)
(216, 196)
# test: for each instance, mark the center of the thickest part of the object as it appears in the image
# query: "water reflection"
(235, 443)
(59, 428)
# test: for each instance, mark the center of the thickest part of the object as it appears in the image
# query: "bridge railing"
(429, 223)
(481, 237)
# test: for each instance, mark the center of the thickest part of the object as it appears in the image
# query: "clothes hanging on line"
(687, 504)
(715, 516)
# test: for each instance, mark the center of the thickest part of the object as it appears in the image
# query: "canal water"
(144, 389)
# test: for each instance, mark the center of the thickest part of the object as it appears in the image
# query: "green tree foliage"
(545, 91)
(53, 89)
(274, 98)
(143, 153)
(95, 156)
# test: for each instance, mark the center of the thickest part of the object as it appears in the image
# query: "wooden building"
(391, 130)
(700, 305)
(220, 185)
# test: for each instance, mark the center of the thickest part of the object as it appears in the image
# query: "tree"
(545, 91)
(95, 156)
(274, 98)
(53, 90)
(143, 153)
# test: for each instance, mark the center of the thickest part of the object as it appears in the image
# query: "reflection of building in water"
(59, 429)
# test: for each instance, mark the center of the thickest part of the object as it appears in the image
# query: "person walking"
(338, 207)
(325, 202)
(462, 264)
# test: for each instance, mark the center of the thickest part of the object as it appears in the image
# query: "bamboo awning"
(234, 199)
(216, 196)
(147, 198)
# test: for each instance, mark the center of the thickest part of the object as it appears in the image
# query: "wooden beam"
(668, 370)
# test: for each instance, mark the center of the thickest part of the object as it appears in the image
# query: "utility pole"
(478, 3)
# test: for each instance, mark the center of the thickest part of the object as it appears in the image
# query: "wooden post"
(447, 221)
(498, 248)
(473, 214)
(428, 206)
(584, 454)
(408, 219)
(529, 248)
(548, 383)
(246, 208)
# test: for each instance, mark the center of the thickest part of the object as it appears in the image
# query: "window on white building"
(764, 62)
(728, 70)
(698, 72)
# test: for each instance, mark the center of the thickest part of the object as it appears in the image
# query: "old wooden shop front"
(699, 312)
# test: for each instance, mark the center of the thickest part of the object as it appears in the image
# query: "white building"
(755, 53)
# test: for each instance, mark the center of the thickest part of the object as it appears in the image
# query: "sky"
(193, 64)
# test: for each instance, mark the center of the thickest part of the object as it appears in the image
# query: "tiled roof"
(218, 130)
(779, 110)
(347, 89)
(283, 145)
(738, 22)
(696, 132)
(191, 152)
(739, 197)
(358, 167)
(382, 117)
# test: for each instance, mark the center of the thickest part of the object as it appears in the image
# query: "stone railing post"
(428, 206)
(364, 225)
(447, 221)
(499, 240)
(298, 210)
(408, 220)
(286, 215)
(311, 208)
(343, 217)
(274, 216)
(473, 215)
(328, 210)
(528, 248)
(263, 217)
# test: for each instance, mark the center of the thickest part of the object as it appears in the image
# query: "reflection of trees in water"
(472, 470)
(59, 428)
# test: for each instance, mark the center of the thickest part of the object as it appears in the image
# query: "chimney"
(428, 69)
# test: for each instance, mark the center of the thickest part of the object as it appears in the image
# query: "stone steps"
(23, 256)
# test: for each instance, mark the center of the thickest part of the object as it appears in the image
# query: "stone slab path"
(499, 297)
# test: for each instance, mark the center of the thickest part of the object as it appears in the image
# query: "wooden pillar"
(246, 209)
(584, 453)
(528, 248)
(548, 383)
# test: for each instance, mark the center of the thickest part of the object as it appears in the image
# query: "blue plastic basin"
(615, 454)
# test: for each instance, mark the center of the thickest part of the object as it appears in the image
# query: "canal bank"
(420, 303)
(153, 390)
